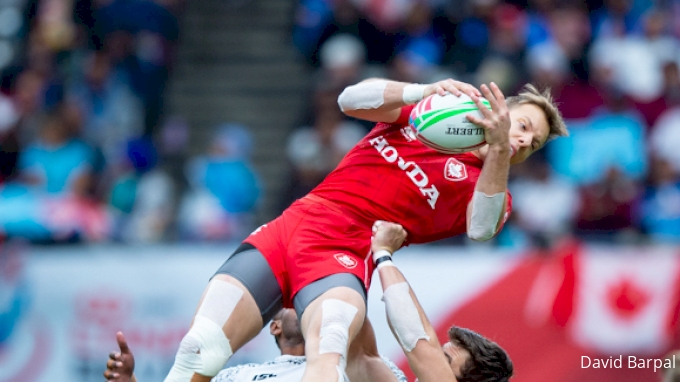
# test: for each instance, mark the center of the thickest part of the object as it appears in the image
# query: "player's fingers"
(441, 91)
(476, 121)
(483, 109)
(109, 375)
(498, 94)
(486, 92)
(452, 87)
(122, 343)
(469, 89)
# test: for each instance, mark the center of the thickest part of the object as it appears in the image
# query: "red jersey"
(389, 175)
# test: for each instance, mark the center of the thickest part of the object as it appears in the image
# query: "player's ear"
(275, 328)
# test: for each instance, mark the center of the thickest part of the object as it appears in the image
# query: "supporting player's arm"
(406, 318)
(486, 210)
(381, 100)
(364, 363)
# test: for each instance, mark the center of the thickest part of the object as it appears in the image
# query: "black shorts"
(249, 266)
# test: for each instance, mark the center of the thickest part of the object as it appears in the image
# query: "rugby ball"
(440, 123)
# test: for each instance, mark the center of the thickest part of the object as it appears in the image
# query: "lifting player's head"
(285, 327)
(535, 120)
(475, 358)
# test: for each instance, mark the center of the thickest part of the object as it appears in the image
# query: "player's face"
(290, 324)
(456, 356)
(529, 131)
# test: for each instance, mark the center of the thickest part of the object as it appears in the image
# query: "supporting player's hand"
(387, 236)
(496, 122)
(451, 86)
(120, 366)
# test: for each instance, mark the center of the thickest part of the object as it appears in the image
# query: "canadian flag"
(625, 302)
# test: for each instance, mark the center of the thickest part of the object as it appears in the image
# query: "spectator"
(56, 162)
(224, 189)
(143, 195)
(343, 58)
(112, 113)
(315, 150)
(661, 203)
(545, 204)
(665, 137)
(608, 208)
(560, 61)
(503, 62)
(617, 18)
(617, 131)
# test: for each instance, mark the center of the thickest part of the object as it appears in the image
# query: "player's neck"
(295, 350)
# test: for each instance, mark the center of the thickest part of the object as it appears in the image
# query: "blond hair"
(530, 95)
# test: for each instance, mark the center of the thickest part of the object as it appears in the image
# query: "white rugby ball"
(440, 123)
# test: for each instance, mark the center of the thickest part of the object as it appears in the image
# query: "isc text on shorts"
(630, 362)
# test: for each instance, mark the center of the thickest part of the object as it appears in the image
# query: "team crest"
(346, 261)
(454, 170)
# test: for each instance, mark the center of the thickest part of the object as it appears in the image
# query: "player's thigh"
(333, 308)
(246, 292)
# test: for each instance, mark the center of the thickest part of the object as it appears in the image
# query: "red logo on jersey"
(346, 261)
(454, 170)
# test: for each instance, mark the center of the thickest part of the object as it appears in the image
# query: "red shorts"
(313, 239)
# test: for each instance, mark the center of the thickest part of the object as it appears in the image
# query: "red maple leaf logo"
(627, 299)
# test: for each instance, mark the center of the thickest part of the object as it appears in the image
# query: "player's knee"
(336, 319)
(205, 349)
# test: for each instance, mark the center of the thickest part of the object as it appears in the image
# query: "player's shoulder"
(401, 377)
(233, 374)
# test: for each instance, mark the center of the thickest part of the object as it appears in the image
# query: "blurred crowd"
(84, 143)
(87, 151)
(612, 66)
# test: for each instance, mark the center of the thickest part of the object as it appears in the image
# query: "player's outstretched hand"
(496, 122)
(121, 365)
(387, 236)
(452, 86)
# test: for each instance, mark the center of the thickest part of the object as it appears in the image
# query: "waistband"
(336, 207)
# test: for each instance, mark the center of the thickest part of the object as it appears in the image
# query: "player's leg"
(331, 311)
(230, 313)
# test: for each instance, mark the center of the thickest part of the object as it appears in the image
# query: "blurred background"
(140, 140)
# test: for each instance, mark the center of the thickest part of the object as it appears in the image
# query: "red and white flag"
(625, 303)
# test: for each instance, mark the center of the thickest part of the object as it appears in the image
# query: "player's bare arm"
(487, 207)
(363, 360)
(121, 364)
(380, 100)
(406, 318)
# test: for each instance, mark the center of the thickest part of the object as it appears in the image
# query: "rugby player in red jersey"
(316, 256)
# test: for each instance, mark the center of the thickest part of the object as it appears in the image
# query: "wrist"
(384, 262)
(501, 148)
(413, 93)
(381, 255)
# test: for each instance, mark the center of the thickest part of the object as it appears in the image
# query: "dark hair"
(488, 362)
